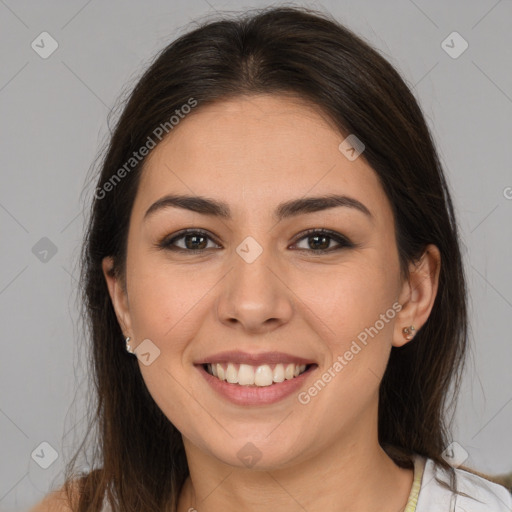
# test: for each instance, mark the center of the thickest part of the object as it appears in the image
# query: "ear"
(118, 295)
(418, 294)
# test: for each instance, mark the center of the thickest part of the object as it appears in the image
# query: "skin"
(253, 153)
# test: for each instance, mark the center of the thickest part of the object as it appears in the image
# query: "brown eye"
(319, 241)
(193, 241)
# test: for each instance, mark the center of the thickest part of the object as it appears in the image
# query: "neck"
(353, 475)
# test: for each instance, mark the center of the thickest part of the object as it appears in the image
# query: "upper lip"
(238, 357)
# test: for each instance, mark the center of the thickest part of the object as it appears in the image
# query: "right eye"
(195, 241)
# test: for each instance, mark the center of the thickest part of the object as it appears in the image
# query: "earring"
(408, 332)
(128, 346)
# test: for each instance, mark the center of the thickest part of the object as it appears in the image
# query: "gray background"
(54, 118)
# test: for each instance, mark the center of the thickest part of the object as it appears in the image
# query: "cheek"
(165, 299)
(355, 319)
(348, 299)
(165, 305)
(353, 314)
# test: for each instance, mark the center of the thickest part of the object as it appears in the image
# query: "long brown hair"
(141, 463)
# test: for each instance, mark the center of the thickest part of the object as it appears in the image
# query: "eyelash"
(344, 242)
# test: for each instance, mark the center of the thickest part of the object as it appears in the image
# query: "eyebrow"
(292, 208)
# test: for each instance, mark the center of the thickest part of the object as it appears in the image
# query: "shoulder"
(482, 494)
(58, 500)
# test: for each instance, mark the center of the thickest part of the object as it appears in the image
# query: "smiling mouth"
(262, 375)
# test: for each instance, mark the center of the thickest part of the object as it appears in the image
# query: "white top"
(431, 496)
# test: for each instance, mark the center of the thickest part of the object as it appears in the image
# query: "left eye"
(320, 239)
(196, 241)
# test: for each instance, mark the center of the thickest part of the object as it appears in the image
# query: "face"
(263, 284)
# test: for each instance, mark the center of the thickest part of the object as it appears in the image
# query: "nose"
(254, 296)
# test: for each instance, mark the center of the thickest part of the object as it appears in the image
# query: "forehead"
(257, 151)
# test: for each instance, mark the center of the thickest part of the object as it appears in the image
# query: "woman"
(273, 282)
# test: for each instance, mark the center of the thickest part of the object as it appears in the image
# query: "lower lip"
(256, 395)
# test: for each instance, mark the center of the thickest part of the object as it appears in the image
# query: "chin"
(256, 454)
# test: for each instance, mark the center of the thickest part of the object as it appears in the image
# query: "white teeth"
(279, 373)
(289, 371)
(246, 375)
(220, 372)
(263, 375)
(231, 374)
